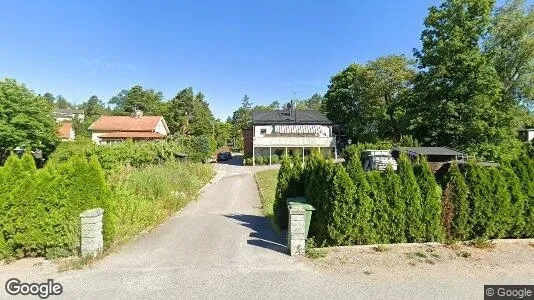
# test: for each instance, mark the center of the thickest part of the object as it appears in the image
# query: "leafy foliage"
(25, 120)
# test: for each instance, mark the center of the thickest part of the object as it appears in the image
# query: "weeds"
(381, 248)
(482, 243)
(312, 252)
(464, 254)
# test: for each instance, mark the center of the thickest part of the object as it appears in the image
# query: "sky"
(268, 49)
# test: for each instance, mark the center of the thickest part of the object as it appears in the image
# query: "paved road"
(222, 247)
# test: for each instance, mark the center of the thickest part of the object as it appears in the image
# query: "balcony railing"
(294, 141)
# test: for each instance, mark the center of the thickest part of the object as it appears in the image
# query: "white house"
(527, 135)
(109, 129)
(291, 131)
(67, 114)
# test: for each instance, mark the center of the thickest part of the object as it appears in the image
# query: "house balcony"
(308, 141)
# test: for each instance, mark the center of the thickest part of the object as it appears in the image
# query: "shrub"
(412, 198)
(40, 213)
(258, 160)
(248, 161)
(363, 232)
(381, 214)
(343, 209)
(481, 200)
(501, 206)
(275, 159)
(430, 201)
(524, 168)
(290, 184)
(517, 203)
(457, 203)
(393, 191)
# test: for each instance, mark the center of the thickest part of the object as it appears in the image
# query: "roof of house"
(131, 134)
(299, 116)
(431, 151)
(68, 111)
(127, 123)
(64, 130)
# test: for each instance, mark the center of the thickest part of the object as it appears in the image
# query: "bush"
(456, 211)
(259, 160)
(248, 161)
(275, 159)
(362, 232)
(501, 205)
(481, 201)
(290, 184)
(517, 203)
(430, 202)
(412, 198)
(393, 191)
(381, 212)
(40, 214)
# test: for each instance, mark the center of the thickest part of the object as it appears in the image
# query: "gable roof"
(127, 123)
(299, 116)
(430, 151)
(64, 130)
(132, 134)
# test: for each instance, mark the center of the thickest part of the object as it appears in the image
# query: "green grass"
(267, 181)
(145, 197)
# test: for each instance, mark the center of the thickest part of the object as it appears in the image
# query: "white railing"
(292, 141)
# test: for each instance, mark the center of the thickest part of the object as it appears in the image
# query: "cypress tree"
(28, 163)
(397, 206)
(363, 232)
(431, 201)
(341, 225)
(456, 190)
(501, 204)
(412, 197)
(524, 168)
(481, 200)
(517, 199)
(381, 221)
(280, 205)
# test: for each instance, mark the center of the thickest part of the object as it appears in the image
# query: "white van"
(378, 160)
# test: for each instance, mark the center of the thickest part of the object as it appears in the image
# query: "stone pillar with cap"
(296, 230)
(92, 240)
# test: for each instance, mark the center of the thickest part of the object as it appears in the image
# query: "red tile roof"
(132, 134)
(64, 130)
(126, 123)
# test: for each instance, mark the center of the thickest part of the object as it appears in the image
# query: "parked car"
(378, 160)
(223, 156)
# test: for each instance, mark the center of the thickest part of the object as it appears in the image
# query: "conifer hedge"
(39, 209)
(355, 207)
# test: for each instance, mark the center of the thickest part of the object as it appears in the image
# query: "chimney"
(137, 113)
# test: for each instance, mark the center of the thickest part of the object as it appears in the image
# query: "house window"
(263, 131)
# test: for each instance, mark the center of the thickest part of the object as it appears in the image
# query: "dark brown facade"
(247, 142)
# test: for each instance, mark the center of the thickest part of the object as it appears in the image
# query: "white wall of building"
(160, 128)
(530, 135)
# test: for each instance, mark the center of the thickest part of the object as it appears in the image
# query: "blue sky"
(270, 50)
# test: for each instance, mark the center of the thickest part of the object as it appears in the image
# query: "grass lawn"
(267, 181)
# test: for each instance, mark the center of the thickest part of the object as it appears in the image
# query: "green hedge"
(136, 154)
(39, 213)
(354, 207)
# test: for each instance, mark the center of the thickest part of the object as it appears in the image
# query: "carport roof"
(431, 151)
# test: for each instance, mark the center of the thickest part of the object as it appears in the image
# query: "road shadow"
(237, 160)
(263, 234)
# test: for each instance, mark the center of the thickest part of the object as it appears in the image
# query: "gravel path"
(222, 247)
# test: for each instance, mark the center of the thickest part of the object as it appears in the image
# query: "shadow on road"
(237, 160)
(262, 234)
